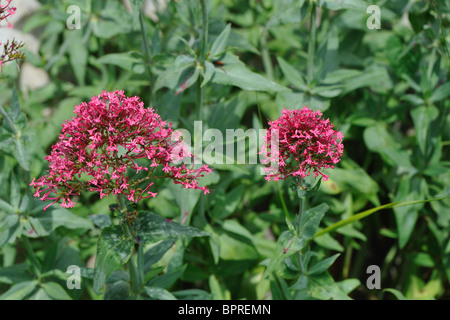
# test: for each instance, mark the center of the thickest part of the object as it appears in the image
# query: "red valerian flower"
(299, 142)
(110, 135)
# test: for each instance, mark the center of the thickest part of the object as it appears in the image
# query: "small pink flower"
(109, 136)
(306, 143)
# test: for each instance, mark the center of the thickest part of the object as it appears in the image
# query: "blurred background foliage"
(386, 89)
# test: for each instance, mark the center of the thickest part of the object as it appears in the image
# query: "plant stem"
(34, 262)
(312, 43)
(199, 104)
(202, 58)
(283, 203)
(204, 39)
(148, 59)
(133, 269)
(301, 208)
(267, 62)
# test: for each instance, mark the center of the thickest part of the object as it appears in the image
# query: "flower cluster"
(6, 11)
(11, 50)
(299, 142)
(110, 135)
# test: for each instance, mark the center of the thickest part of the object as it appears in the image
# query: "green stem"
(267, 62)
(34, 262)
(202, 58)
(200, 97)
(283, 203)
(148, 59)
(204, 39)
(301, 208)
(312, 43)
(367, 213)
(135, 270)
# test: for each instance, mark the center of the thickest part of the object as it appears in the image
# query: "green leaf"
(15, 136)
(192, 294)
(55, 291)
(189, 78)
(19, 291)
(344, 4)
(310, 220)
(442, 92)
(113, 251)
(46, 221)
(367, 213)
(117, 290)
(423, 118)
(15, 274)
(287, 244)
(176, 73)
(235, 73)
(396, 293)
(159, 293)
(219, 45)
(6, 207)
(156, 252)
(375, 77)
(406, 217)
(124, 60)
(208, 72)
(152, 228)
(348, 285)
(301, 283)
(10, 229)
(323, 265)
(378, 139)
(218, 290)
(167, 279)
(292, 74)
(78, 56)
(322, 286)
(101, 220)
(227, 203)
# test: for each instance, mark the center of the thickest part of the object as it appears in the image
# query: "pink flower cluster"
(6, 11)
(110, 135)
(304, 142)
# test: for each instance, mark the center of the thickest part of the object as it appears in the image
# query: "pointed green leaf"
(310, 220)
(287, 244)
(113, 251)
(156, 252)
(344, 4)
(19, 291)
(152, 228)
(10, 229)
(423, 118)
(101, 220)
(406, 217)
(292, 74)
(322, 286)
(323, 265)
(55, 291)
(235, 73)
(208, 72)
(442, 92)
(124, 60)
(47, 221)
(396, 293)
(220, 44)
(159, 293)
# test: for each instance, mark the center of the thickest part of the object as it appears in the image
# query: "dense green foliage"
(236, 64)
